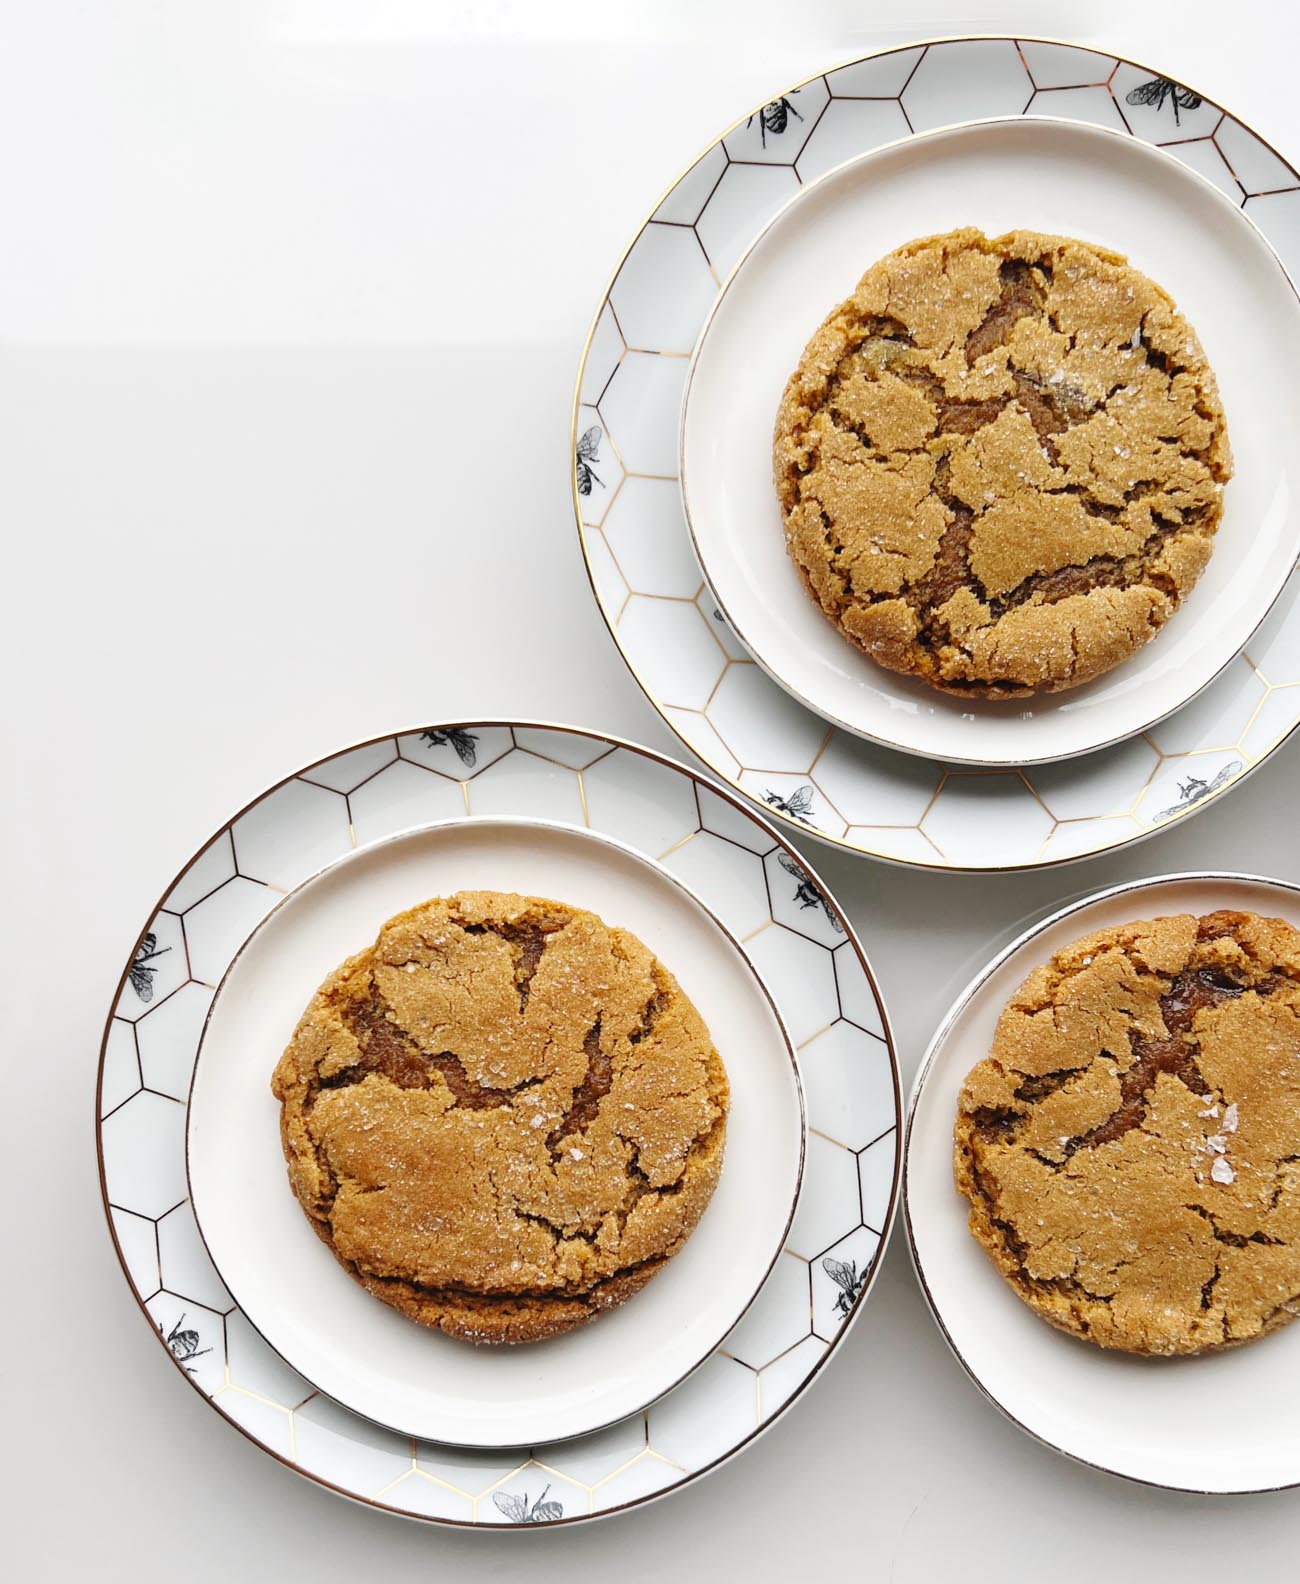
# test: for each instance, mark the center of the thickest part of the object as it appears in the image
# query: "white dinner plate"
(646, 578)
(351, 814)
(1221, 1421)
(367, 1355)
(1059, 177)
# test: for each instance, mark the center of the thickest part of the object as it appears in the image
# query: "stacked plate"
(787, 209)
(254, 1308)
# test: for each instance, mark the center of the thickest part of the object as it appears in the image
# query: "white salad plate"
(368, 1356)
(1053, 176)
(662, 614)
(317, 861)
(1219, 1422)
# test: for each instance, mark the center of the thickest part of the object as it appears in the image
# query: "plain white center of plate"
(1029, 174)
(367, 1355)
(1225, 1421)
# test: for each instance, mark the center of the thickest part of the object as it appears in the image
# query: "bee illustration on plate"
(846, 1278)
(1194, 789)
(588, 452)
(518, 1510)
(1160, 89)
(184, 1345)
(720, 618)
(465, 743)
(798, 805)
(775, 117)
(142, 966)
(806, 893)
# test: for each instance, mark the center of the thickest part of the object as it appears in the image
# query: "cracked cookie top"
(1130, 1147)
(503, 1117)
(1001, 462)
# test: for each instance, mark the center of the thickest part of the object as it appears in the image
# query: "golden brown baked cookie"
(1001, 462)
(1131, 1145)
(503, 1117)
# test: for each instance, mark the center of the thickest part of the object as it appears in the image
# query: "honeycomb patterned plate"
(756, 885)
(648, 583)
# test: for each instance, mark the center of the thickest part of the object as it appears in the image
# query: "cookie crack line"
(1234, 1239)
(1173, 1054)
(639, 1187)
(1067, 1287)
(1207, 1291)
(947, 574)
(584, 1107)
(1019, 297)
(538, 1295)
(1193, 991)
(528, 941)
(1275, 1193)
(1062, 582)
(388, 1052)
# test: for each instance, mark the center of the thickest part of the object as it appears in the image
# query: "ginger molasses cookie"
(1001, 462)
(503, 1117)
(1131, 1145)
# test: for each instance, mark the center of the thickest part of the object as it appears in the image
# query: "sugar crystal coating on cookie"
(1001, 462)
(1130, 1147)
(503, 1117)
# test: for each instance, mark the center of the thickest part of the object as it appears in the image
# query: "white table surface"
(291, 302)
